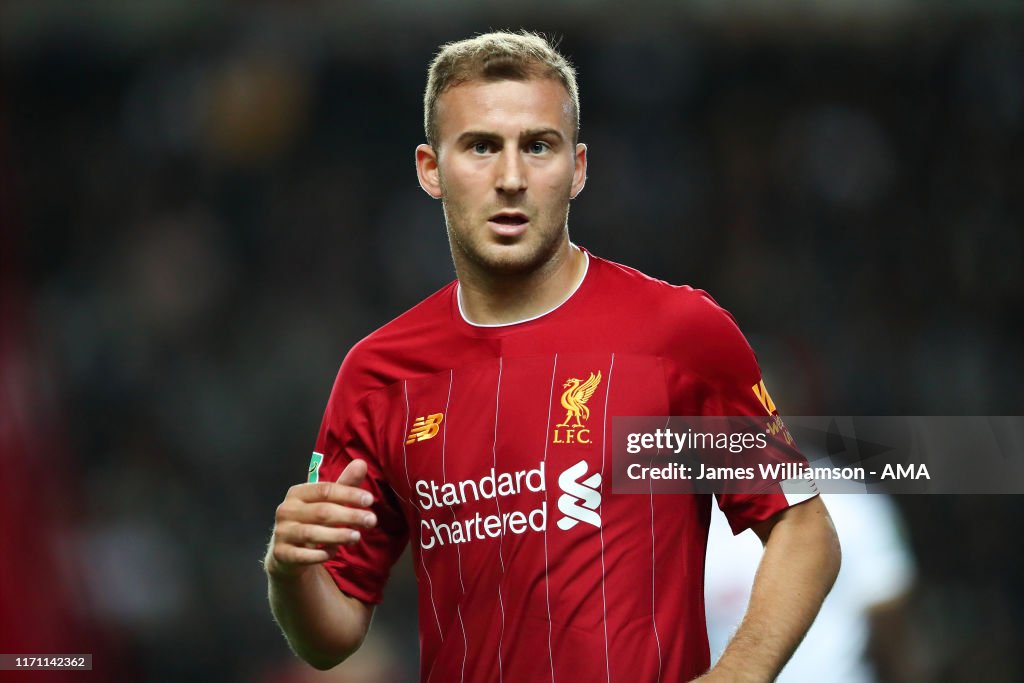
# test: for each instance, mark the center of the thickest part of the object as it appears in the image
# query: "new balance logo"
(424, 428)
(580, 499)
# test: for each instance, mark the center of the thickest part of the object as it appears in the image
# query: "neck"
(502, 298)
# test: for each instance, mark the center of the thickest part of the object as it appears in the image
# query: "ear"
(427, 171)
(579, 175)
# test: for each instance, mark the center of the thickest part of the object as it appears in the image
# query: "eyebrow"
(529, 133)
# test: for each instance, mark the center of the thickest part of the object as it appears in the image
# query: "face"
(505, 169)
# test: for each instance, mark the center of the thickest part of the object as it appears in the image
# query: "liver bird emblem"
(575, 397)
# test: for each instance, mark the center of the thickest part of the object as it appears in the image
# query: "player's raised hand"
(315, 518)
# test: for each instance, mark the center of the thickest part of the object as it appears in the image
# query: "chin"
(510, 259)
(522, 255)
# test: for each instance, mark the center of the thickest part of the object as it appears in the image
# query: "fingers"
(296, 544)
(288, 556)
(353, 474)
(331, 514)
(317, 517)
(331, 492)
(306, 535)
(345, 491)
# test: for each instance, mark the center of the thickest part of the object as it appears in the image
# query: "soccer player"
(477, 427)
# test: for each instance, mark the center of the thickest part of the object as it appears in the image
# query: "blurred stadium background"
(203, 205)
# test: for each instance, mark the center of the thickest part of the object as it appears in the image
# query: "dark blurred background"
(204, 205)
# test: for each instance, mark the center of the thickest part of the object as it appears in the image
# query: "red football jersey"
(529, 567)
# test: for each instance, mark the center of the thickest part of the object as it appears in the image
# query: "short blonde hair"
(494, 57)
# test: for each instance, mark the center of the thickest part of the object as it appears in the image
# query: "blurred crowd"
(197, 227)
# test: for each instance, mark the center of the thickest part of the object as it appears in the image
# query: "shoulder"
(679, 308)
(387, 354)
(678, 322)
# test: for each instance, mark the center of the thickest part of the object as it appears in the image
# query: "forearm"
(322, 625)
(800, 563)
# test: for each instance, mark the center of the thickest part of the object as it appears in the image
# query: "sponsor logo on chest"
(579, 502)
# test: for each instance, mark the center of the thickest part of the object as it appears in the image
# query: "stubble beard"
(476, 247)
(473, 246)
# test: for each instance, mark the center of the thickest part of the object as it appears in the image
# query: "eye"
(481, 147)
(538, 147)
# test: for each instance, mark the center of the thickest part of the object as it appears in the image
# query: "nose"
(511, 173)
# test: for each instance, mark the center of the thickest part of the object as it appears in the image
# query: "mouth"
(509, 223)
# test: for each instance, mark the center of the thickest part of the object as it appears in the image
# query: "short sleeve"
(346, 434)
(719, 367)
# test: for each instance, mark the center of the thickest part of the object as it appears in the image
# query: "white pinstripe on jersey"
(547, 588)
(458, 551)
(408, 479)
(654, 618)
(501, 538)
(604, 598)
